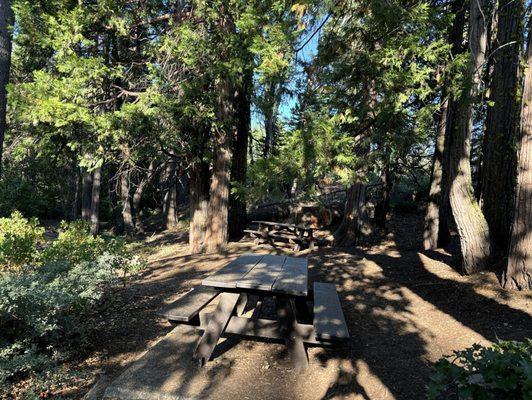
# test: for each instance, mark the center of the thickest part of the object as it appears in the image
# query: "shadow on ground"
(404, 308)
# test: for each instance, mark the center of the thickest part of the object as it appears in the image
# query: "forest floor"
(405, 309)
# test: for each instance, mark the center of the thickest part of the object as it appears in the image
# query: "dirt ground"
(405, 309)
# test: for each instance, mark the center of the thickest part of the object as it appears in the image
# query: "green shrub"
(41, 311)
(43, 304)
(18, 240)
(502, 371)
(75, 244)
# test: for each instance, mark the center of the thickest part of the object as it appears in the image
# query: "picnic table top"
(284, 225)
(263, 273)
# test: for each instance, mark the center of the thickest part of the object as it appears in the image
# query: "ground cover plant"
(46, 288)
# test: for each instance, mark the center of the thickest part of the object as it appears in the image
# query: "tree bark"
(353, 224)
(518, 273)
(436, 232)
(86, 189)
(199, 204)
(95, 201)
(171, 196)
(383, 206)
(153, 169)
(6, 24)
(472, 226)
(270, 110)
(217, 221)
(127, 214)
(237, 203)
(498, 168)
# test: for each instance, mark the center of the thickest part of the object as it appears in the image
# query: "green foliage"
(19, 238)
(502, 371)
(44, 299)
(41, 310)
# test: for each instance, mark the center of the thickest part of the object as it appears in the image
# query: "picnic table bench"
(269, 231)
(243, 284)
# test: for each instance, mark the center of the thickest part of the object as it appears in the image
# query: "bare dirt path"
(405, 309)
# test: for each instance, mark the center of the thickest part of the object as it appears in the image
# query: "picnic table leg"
(294, 341)
(216, 327)
(241, 305)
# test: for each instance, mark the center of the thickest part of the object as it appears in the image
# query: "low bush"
(19, 238)
(502, 371)
(44, 301)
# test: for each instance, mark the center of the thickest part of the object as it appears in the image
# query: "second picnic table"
(283, 278)
(269, 231)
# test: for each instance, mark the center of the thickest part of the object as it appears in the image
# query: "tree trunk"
(199, 202)
(6, 25)
(171, 196)
(271, 109)
(353, 224)
(383, 206)
(139, 192)
(217, 221)
(436, 233)
(237, 203)
(518, 274)
(95, 201)
(127, 215)
(86, 189)
(498, 168)
(471, 224)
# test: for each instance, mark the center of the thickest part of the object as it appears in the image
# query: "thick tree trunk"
(199, 204)
(498, 168)
(354, 222)
(436, 233)
(95, 201)
(217, 221)
(472, 226)
(127, 215)
(86, 192)
(518, 274)
(237, 203)
(6, 24)
(170, 197)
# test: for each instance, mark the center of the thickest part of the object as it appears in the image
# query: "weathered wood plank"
(329, 320)
(263, 275)
(189, 305)
(293, 279)
(228, 276)
(216, 327)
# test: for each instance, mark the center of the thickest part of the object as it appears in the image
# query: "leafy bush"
(41, 309)
(502, 371)
(18, 240)
(44, 300)
(75, 244)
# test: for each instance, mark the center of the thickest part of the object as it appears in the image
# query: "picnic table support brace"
(216, 327)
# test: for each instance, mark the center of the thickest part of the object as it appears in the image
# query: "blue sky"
(289, 102)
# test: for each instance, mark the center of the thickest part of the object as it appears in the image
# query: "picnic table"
(268, 231)
(285, 279)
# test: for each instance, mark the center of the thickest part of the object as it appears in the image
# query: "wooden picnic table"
(270, 230)
(257, 276)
